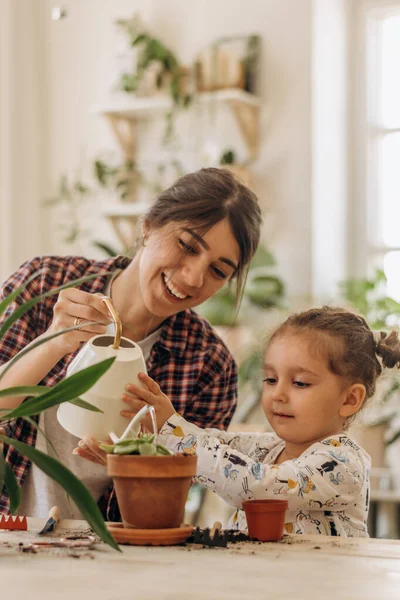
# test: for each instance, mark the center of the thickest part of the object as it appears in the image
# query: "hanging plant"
(156, 62)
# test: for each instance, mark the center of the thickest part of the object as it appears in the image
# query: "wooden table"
(309, 567)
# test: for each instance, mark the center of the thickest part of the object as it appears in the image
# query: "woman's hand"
(138, 396)
(75, 307)
(88, 448)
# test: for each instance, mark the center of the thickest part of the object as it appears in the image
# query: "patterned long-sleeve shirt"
(189, 361)
(327, 486)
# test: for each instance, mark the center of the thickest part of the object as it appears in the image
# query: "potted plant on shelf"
(40, 399)
(157, 70)
(151, 483)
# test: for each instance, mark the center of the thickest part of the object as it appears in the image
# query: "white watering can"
(106, 392)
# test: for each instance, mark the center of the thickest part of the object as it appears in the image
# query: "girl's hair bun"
(388, 348)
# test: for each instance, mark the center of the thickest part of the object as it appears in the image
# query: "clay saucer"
(149, 537)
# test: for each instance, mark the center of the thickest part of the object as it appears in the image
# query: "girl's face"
(303, 400)
(178, 269)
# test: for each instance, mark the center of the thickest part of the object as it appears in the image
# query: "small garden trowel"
(52, 520)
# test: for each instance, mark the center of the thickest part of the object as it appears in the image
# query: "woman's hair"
(346, 341)
(205, 198)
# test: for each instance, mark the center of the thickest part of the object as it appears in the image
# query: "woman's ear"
(146, 228)
(354, 399)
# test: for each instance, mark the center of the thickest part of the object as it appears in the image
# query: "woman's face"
(179, 269)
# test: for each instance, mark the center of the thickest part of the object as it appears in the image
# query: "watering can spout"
(134, 425)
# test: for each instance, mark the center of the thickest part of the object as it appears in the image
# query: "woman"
(198, 234)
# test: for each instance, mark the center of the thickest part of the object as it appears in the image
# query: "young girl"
(320, 368)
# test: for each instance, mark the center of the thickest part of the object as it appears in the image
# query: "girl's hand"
(137, 396)
(73, 305)
(88, 448)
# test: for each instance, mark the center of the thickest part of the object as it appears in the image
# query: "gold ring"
(77, 321)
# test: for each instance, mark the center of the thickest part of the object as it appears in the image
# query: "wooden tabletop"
(309, 567)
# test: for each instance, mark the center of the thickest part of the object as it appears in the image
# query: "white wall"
(330, 147)
(80, 64)
(22, 128)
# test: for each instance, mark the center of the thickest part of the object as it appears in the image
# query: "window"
(382, 175)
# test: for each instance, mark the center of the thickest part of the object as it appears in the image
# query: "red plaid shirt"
(189, 361)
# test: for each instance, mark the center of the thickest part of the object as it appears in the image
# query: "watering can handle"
(117, 321)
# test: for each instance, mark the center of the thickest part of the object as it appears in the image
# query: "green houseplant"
(153, 54)
(262, 290)
(369, 297)
(40, 399)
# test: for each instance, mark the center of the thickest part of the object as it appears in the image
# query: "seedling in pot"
(142, 444)
(137, 443)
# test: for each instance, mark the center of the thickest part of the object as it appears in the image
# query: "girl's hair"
(205, 198)
(347, 342)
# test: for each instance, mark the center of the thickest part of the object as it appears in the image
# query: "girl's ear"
(355, 396)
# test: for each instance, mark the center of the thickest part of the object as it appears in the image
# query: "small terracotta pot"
(152, 490)
(265, 519)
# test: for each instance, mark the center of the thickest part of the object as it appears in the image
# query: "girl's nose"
(279, 394)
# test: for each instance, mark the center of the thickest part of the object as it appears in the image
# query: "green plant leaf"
(130, 448)
(70, 388)
(262, 258)
(13, 489)
(72, 235)
(42, 433)
(106, 248)
(71, 484)
(147, 449)
(11, 297)
(37, 343)
(86, 405)
(163, 450)
(21, 310)
(393, 439)
(109, 448)
(263, 289)
(24, 390)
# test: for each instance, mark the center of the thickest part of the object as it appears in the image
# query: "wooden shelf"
(124, 113)
(136, 108)
(124, 219)
(128, 209)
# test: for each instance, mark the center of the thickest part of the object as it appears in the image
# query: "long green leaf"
(70, 388)
(13, 489)
(41, 431)
(37, 343)
(21, 310)
(71, 484)
(40, 390)
(11, 297)
(24, 390)
(86, 405)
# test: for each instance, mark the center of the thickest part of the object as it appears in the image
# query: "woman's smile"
(172, 291)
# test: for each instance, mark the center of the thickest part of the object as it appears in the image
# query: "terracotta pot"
(152, 490)
(265, 519)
